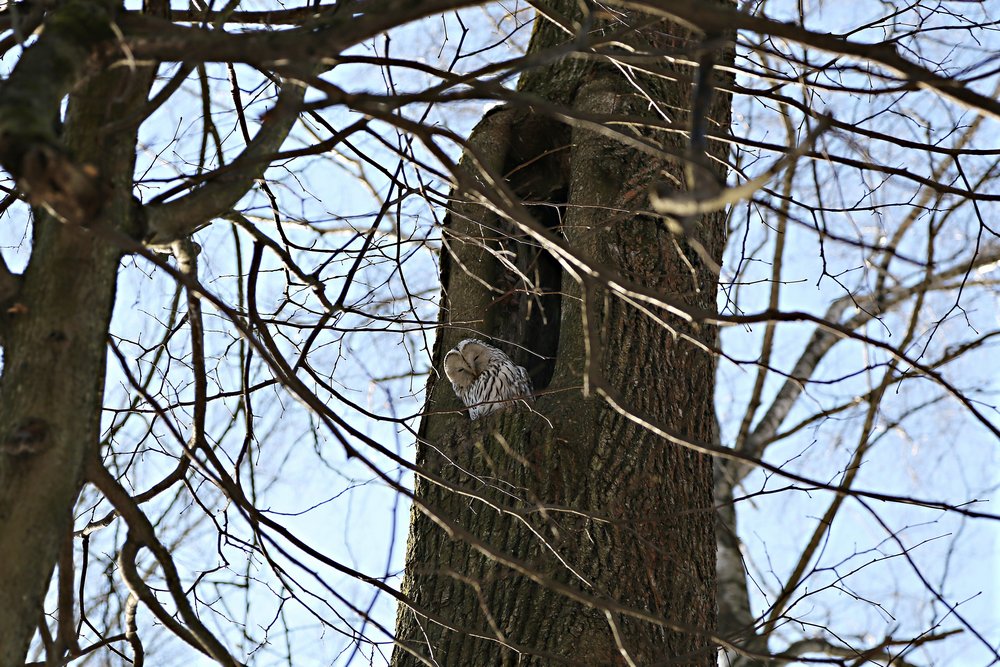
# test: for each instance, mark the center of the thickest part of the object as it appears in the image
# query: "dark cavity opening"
(542, 310)
(529, 309)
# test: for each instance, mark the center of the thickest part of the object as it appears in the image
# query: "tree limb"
(175, 219)
(142, 533)
(711, 17)
(325, 37)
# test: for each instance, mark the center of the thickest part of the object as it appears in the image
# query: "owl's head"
(466, 361)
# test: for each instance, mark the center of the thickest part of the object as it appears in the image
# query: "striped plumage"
(484, 378)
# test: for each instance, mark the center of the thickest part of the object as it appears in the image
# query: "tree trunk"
(571, 534)
(55, 332)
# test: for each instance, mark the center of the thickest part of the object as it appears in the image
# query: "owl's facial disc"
(457, 368)
(477, 359)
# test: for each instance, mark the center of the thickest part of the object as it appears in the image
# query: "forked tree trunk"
(572, 510)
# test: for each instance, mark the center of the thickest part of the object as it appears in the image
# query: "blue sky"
(302, 477)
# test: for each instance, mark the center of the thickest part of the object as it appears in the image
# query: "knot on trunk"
(29, 437)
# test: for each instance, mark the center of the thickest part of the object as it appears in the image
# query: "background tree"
(234, 473)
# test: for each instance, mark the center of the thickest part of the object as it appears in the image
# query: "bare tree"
(227, 234)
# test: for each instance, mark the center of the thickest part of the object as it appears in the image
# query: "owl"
(484, 378)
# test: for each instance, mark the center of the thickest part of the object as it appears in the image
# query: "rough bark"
(54, 336)
(593, 516)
